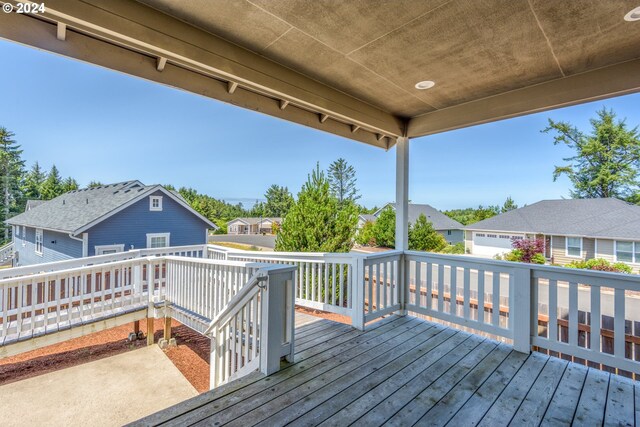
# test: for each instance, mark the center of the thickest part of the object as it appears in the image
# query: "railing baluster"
(429, 300)
(573, 314)
(466, 293)
(453, 291)
(480, 298)
(553, 311)
(595, 319)
(495, 314)
(440, 287)
(619, 324)
(418, 284)
(326, 283)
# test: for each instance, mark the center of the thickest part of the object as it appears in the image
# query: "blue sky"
(97, 124)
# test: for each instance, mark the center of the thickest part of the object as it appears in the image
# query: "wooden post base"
(150, 330)
(167, 328)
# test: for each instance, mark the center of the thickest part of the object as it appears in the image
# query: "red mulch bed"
(191, 356)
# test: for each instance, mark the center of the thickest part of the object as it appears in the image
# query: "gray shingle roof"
(368, 217)
(74, 210)
(606, 218)
(439, 220)
(32, 204)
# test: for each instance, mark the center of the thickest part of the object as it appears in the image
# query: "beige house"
(572, 229)
(253, 225)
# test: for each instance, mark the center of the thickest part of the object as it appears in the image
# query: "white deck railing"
(584, 315)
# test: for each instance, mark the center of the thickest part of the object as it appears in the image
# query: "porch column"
(402, 193)
(402, 218)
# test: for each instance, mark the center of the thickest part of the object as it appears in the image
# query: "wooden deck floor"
(404, 371)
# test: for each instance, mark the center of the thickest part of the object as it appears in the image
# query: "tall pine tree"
(342, 181)
(52, 186)
(317, 221)
(11, 173)
(33, 182)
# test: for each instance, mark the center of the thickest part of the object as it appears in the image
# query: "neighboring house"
(32, 204)
(572, 229)
(252, 225)
(449, 228)
(106, 219)
(364, 218)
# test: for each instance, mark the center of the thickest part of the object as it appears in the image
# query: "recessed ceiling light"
(633, 15)
(426, 84)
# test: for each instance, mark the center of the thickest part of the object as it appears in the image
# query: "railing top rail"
(210, 261)
(75, 270)
(7, 246)
(538, 270)
(385, 254)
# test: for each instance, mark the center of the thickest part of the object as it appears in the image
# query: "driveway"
(108, 392)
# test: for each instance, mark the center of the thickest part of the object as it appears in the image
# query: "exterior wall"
(131, 225)
(559, 250)
(64, 247)
(456, 236)
(605, 250)
(468, 242)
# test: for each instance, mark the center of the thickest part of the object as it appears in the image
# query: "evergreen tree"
(279, 201)
(508, 205)
(52, 186)
(342, 181)
(317, 221)
(384, 230)
(423, 237)
(33, 182)
(11, 171)
(94, 184)
(69, 184)
(606, 161)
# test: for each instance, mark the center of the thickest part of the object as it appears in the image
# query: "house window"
(158, 240)
(628, 251)
(39, 240)
(155, 203)
(448, 232)
(479, 234)
(574, 246)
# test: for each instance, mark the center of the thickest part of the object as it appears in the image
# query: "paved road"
(268, 241)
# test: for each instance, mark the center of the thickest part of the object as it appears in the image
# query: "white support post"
(357, 289)
(402, 214)
(274, 323)
(520, 310)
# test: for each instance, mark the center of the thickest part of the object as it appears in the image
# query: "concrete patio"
(108, 392)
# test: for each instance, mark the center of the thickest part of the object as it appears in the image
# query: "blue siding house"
(106, 219)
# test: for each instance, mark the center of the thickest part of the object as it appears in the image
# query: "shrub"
(366, 235)
(458, 248)
(423, 237)
(528, 249)
(384, 230)
(600, 264)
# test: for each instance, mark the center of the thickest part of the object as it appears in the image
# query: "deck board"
(407, 371)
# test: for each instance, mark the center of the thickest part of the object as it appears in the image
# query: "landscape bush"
(600, 264)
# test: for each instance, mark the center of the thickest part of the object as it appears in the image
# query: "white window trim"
(40, 232)
(16, 230)
(566, 246)
(151, 200)
(167, 236)
(24, 236)
(633, 252)
(100, 248)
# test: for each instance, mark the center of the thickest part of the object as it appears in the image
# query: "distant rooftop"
(439, 220)
(606, 218)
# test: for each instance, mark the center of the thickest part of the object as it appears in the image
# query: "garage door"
(489, 244)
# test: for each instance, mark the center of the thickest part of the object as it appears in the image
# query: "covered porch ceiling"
(351, 67)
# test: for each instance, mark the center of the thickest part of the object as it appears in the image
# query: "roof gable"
(78, 210)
